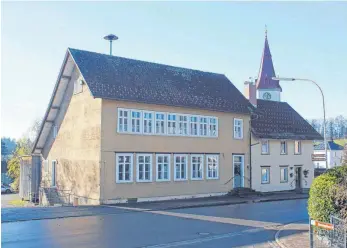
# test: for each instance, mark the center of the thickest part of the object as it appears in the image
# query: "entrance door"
(238, 173)
(298, 178)
(53, 179)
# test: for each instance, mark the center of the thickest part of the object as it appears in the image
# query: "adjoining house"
(334, 155)
(119, 129)
(282, 140)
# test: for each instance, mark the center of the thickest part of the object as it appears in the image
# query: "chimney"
(251, 92)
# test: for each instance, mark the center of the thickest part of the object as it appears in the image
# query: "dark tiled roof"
(278, 120)
(331, 146)
(118, 78)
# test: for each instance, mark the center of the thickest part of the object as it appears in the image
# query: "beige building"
(118, 129)
(282, 140)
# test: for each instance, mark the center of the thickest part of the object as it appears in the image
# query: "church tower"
(267, 88)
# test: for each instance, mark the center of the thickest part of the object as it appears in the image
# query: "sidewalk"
(294, 235)
(39, 213)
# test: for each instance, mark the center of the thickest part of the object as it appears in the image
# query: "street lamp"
(324, 128)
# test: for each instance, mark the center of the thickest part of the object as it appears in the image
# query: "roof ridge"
(144, 61)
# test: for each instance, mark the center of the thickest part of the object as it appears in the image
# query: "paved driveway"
(244, 225)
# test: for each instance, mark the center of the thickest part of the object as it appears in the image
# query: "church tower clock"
(267, 88)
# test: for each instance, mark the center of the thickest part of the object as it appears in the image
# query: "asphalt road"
(245, 225)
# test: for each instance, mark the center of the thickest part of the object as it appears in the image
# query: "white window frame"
(163, 163)
(192, 166)
(130, 168)
(210, 130)
(182, 123)
(146, 120)
(78, 86)
(267, 145)
(122, 118)
(136, 119)
(285, 147)
(45, 165)
(284, 167)
(207, 166)
(144, 155)
(168, 122)
(197, 123)
(299, 147)
(185, 167)
(238, 124)
(267, 168)
(203, 126)
(160, 120)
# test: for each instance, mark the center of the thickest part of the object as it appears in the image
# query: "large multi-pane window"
(212, 164)
(144, 167)
(160, 123)
(180, 167)
(163, 167)
(147, 122)
(197, 166)
(123, 120)
(171, 123)
(136, 121)
(124, 167)
(203, 126)
(194, 124)
(183, 125)
(213, 127)
(238, 128)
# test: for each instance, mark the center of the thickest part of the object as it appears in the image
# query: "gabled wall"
(77, 145)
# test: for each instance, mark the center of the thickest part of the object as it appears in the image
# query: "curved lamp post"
(324, 128)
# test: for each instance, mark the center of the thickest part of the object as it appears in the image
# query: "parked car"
(6, 189)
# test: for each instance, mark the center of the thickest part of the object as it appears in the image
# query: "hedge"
(325, 196)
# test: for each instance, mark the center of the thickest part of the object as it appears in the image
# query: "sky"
(307, 40)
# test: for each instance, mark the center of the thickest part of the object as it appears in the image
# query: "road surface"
(244, 225)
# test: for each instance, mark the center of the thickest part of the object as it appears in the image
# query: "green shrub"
(326, 194)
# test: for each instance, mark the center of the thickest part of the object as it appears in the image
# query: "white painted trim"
(131, 167)
(150, 168)
(212, 155)
(191, 167)
(238, 119)
(169, 169)
(186, 167)
(143, 122)
(243, 169)
(129, 120)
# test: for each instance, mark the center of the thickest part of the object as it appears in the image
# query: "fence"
(328, 235)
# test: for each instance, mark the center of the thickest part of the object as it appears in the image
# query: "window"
(297, 147)
(284, 174)
(265, 147)
(180, 167)
(45, 165)
(136, 121)
(124, 167)
(55, 131)
(147, 122)
(183, 125)
(78, 86)
(197, 165)
(212, 166)
(283, 147)
(238, 128)
(144, 167)
(53, 173)
(171, 124)
(203, 126)
(265, 175)
(123, 120)
(163, 167)
(194, 125)
(160, 123)
(213, 131)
